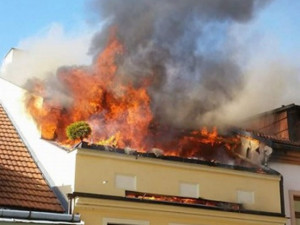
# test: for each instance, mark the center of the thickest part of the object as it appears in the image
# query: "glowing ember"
(183, 200)
(111, 141)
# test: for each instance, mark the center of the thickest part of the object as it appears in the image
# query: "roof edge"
(276, 110)
(256, 170)
(35, 215)
(120, 198)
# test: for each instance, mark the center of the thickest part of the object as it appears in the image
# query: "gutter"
(24, 216)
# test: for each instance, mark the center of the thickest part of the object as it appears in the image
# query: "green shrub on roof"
(78, 130)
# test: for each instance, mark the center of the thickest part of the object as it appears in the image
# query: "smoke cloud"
(205, 65)
(185, 47)
(39, 56)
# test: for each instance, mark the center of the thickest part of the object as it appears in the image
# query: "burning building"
(117, 186)
(280, 128)
(153, 72)
(161, 71)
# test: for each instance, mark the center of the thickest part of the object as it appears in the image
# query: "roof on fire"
(286, 121)
(243, 164)
(273, 140)
(22, 185)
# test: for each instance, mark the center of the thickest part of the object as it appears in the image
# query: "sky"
(60, 33)
(21, 19)
(281, 20)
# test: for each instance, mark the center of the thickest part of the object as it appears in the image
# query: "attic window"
(113, 221)
(177, 224)
(189, 190)
(245, 197)
(126, 182)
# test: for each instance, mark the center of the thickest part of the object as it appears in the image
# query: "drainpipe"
(71, 204)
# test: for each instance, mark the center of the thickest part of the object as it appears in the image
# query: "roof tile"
(22, 184)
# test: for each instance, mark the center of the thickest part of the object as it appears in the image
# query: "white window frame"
(251, 193)
(191, 184)
(125, 175)
(293, 193)
(182, 224)
(106, 221)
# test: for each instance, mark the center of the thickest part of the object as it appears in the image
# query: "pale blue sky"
(20, 19)
(281, 20)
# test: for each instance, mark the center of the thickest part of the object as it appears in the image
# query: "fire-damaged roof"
(22, 185)
(280, 129)
(242, 164)
(273, 141)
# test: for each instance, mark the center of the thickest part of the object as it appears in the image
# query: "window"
(245, 197)
(179, 224)
(125, 182)
(118, 224)
(295, 207)
(189, 190)
(113, 221)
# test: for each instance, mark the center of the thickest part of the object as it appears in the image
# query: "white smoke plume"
(206, 65)
(39, 56)
(271, 79)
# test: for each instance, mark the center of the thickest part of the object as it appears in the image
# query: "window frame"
(196, 186)
(239, 194)
(134, 188)
(107, 221)
(292, 194)
(182, 224)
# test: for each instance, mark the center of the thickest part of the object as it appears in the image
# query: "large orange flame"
(119, 113)
(110, 107)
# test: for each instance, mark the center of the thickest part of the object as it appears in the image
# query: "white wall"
(291, 181)
(59, 164)
(6, 61)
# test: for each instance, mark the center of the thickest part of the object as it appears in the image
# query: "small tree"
(78, 130)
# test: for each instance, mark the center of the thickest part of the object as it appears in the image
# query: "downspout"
(71, 204)
(282, 196)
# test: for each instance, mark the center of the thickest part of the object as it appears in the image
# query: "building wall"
(103, 211)
(7, 60)
(291, 182)
(96, 173)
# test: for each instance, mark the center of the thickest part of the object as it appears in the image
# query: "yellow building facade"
(115, 188)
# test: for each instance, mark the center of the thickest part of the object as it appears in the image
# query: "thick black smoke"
(184, 46)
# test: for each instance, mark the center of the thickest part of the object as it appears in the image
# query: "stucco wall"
(98, 212)
(95, 173)
(291, 181)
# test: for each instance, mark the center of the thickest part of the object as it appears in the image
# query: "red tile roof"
(22, 185)
(277, 139)
(272, 138)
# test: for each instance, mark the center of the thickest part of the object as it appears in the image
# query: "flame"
(208, 137)
(183, 200)
(111, 141)
(111, 107)
(118, 112)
